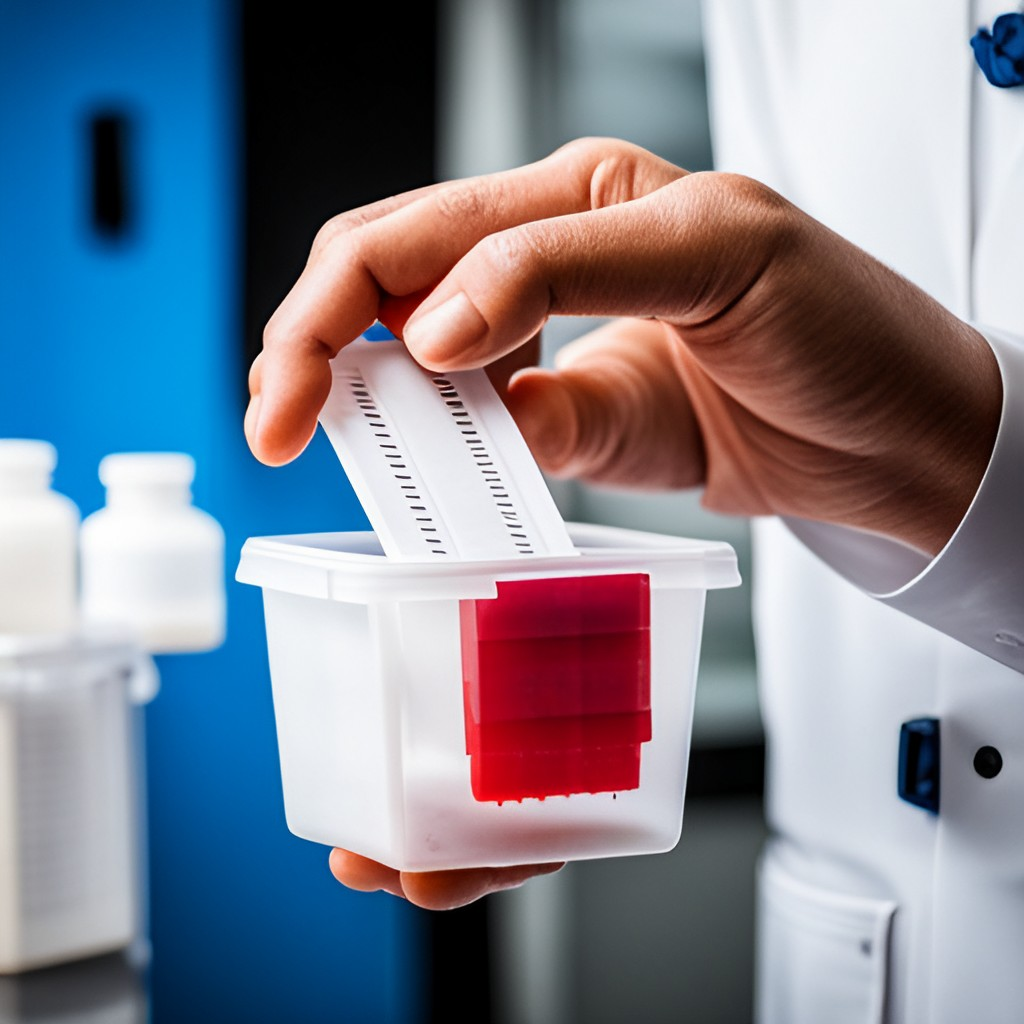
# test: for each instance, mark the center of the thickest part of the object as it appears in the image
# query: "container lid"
(22, 455)
(352, 567)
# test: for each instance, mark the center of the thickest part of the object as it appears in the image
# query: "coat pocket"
(821, 955)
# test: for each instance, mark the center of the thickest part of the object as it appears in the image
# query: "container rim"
(57, 661)
(352, 566)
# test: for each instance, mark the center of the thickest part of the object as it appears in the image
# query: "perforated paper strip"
(436, 460)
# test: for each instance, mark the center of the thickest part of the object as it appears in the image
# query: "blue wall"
(134, 344)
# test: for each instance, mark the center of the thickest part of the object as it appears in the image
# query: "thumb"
(613, 411)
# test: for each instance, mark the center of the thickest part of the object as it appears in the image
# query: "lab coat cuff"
(973, 589)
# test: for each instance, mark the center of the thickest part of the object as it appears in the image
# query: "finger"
(352, 219)
(681, 253)
(501, 371)
(363, 874)
(446, 890)
(406, 249)
(432, 890)
(613, 411)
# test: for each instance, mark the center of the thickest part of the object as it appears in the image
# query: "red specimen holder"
(557, 686)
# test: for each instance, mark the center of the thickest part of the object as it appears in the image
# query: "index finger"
(379, 261)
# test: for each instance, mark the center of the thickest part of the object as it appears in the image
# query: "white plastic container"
(150, 559)
(38, 542)
(69, 797)
(460, 714)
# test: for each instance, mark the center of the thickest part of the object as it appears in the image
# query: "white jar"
(71, 798)
(38, 542)
(150, 559)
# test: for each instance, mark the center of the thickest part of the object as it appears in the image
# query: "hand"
(432, 890)
(775, 364)
(759, 355)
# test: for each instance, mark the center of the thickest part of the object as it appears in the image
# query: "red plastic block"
(565, 606)
(540, 774)
(557, 686)
(535, 677)
(580, 732)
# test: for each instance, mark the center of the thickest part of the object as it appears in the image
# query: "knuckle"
(338, 246)
(587, 148)
(613, 181)
(617, 170)
(595, 148)
(514, 253)
(327, 234)
(340, 232)
(750, 201)
(613, 171)
(275, 334)
(470, 201)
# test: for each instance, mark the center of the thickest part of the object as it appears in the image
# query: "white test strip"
(437, 461)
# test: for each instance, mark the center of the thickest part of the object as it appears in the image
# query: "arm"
(973, 590)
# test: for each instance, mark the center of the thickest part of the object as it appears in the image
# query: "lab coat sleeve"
(973, 590)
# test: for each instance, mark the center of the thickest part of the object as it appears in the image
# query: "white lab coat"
(874, 118)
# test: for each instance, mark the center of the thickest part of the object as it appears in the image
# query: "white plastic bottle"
(38, 542)
(150, 559)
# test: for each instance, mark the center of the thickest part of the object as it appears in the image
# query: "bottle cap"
(174, 468)
(25, 455)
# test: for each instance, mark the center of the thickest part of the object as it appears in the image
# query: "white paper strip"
(436, 460)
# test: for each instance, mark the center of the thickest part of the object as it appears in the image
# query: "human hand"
(774, 363)
(432, 890)
(758, 355)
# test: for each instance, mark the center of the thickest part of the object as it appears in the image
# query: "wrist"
(956, 443)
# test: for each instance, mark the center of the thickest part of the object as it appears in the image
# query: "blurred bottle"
(150, 559)
(38, 542)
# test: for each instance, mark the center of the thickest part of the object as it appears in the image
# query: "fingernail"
(446, 331)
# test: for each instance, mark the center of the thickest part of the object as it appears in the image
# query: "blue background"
(133, 344)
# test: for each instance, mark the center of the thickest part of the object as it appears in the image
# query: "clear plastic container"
(460, 714)
(70, 797)
(38, 542)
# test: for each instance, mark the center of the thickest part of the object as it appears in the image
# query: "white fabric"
(805, 932)
(874, 118)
